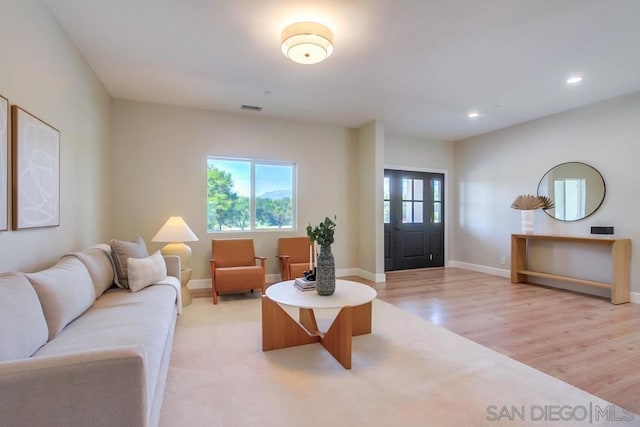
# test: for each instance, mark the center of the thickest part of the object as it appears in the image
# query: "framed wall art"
(4, 162)
(36, 171)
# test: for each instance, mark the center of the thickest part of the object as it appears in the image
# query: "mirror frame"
(604, 191)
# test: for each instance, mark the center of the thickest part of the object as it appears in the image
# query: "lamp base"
(184, 252)
(185, 276)
(180, 249)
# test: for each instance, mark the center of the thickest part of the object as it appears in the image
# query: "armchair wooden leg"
(214, 291)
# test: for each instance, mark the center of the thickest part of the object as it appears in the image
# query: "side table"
(185, 276)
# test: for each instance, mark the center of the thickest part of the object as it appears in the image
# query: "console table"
(620, 262)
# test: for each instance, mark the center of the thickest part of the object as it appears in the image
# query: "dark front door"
(413, 220)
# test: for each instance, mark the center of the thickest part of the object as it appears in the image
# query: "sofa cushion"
(23, 328)
(65, 292)
(100, 267)
(122, 318)
(145, 271)
(121, 251)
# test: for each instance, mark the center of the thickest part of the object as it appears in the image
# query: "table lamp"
(175, 231)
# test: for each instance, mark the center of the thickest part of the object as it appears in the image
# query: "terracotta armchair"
(233, 267)
(293, 253)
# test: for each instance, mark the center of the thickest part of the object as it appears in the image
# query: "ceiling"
(419, 66)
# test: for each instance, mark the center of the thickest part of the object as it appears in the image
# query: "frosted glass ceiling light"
(574, 80)
(307, 42)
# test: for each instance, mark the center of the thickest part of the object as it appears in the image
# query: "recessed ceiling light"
(473, 115)
(574, 80)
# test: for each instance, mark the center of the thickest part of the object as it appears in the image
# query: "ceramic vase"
(326, 272)
(528, 221)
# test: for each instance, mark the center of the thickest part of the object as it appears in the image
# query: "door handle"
(397, 227)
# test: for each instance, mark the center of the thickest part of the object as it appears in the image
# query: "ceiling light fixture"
(574, 80)
(307, 42)
(473, 115)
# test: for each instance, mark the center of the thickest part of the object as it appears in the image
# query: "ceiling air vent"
(251, 108)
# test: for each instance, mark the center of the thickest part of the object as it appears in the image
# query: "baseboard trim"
(367, 275)
(199, 284)
(480, 268)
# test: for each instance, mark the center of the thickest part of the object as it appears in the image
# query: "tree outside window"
(245, 195)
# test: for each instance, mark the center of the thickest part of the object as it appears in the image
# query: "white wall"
(492, 169)
(407, 153)
(370, 153)
(416, 153)
(42, 72)
(159, 169)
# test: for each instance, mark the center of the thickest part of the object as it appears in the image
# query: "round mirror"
(576, 189)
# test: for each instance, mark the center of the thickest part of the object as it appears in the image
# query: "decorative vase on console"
(528, 217)
(325, 265)
(527, 205)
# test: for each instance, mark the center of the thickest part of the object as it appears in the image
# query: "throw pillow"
(146, 271)
(121, 251)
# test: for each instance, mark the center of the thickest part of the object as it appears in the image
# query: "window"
(246, 195)
(387, 200)
(412, 200)
(436, 188)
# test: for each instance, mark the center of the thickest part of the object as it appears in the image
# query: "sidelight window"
(436, 185)
(387, 200)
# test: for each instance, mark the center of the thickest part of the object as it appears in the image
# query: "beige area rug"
(408, 372)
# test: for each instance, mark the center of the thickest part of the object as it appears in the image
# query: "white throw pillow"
(143, 272)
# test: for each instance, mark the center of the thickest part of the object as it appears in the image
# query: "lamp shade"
(175, 230)
(307, 42)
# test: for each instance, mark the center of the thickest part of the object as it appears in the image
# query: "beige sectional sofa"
(76, 351)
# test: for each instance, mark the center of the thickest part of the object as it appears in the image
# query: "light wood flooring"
(583, 340)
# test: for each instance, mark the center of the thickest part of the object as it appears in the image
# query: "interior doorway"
(413, 219)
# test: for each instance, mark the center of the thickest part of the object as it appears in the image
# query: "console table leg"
(620, 280)
(518, 259)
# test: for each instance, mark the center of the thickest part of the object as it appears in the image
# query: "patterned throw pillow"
(146, 271)
(121, 251)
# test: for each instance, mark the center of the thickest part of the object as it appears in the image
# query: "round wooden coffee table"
(279, 330)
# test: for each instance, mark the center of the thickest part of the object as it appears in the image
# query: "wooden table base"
(279, 330)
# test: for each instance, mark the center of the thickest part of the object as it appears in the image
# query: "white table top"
(347, 293)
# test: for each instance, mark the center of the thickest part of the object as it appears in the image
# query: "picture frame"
(4, 163)
(35, 152)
